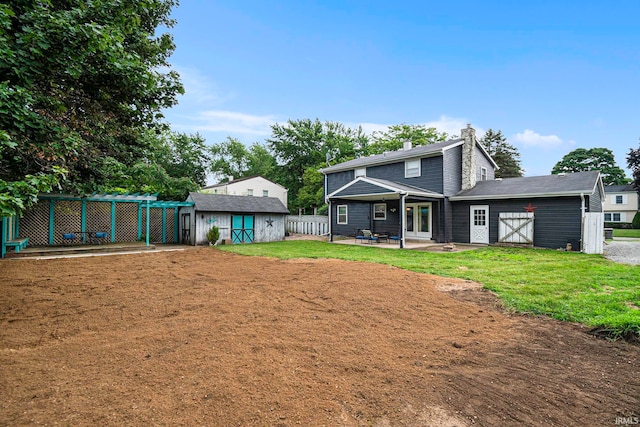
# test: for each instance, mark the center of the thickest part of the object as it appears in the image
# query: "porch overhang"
(370, 189)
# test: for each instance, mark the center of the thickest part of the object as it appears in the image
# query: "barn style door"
(516, 227)
(242, 229)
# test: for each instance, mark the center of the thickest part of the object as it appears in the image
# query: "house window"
(613, 217)
(249, 192)
(342, 214)
(479, 217)
(380, 211)
(619, 200)
(483, 174)
(265, 193)
(360, 172)
(412, 168)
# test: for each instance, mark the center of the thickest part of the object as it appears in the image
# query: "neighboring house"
(250, 186)
(447, 192)
(240, 219)
(621, 203)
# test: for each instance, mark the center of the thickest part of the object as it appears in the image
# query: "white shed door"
(479, 232)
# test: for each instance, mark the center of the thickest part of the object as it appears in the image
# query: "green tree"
(302, 144)
(182, 156)
(79, 82)
(601, 159)
(633, 163)
(231, 158)
(394, 137)
(504, 154)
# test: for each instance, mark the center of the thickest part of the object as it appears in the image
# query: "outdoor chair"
(366, 236)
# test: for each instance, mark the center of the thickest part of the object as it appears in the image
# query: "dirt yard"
(202, 337)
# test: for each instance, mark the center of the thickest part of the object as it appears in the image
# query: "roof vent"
(498, 179)
(562, 174)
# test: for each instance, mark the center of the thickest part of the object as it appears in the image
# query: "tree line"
(82, 90)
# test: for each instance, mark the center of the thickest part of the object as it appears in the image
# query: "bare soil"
(203, 337)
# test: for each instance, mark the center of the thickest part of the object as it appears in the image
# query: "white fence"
(316, 225)
(593, 233)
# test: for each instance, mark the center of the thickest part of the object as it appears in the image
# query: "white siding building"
(621, 203)
(255, 186)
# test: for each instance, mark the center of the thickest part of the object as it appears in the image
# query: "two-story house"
(249, 186)
(621, 203)
(447, 192)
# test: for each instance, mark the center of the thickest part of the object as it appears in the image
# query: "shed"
(240, 219)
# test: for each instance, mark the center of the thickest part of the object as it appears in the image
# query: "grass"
(568, 286)
(623, 232)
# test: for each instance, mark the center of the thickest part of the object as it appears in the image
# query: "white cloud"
(533, 139)
(231, 122)
(200, 89)
(450, 125)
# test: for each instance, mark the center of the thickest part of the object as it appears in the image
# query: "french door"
(418, 219)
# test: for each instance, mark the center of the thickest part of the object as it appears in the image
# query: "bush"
(621, 225)
(636, 221)
(213, 235)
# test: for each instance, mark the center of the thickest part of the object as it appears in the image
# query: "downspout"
(583, 208)
(328, 202)
(403, 217)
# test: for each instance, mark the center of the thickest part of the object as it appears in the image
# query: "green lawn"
(568, 286)
(620, 232)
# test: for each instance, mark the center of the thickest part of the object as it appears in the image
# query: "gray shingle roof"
(540, 186)
(240, 204)
(618, 188)
(421, 151)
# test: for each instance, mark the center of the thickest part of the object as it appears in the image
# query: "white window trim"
(362, 172)
(384, 212)
(622, 196)
(346, 214)
(611, 219)
(265, 193)
(406, 168)
(484, 174)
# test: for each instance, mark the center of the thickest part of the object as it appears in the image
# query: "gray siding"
(263, 232)
(483, 162)
(430, 174)
(338, 179)
(557, 220)
(358, 216)
(452, 171)
(595, 201)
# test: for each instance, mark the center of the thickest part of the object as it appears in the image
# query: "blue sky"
(553, 76)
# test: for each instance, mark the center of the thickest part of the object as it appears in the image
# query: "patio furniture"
(366, 236)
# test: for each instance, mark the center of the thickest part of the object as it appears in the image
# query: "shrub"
(636, 221)
(213, 235)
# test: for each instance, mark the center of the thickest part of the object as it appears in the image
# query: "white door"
(418, 220)
(479, 220)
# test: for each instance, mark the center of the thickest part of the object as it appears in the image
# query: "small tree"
(636, 221)
(213, 235)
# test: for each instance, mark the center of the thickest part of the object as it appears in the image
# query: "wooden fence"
(317, 225)
(593, 233)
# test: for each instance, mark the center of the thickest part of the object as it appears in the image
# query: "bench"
(18, 244)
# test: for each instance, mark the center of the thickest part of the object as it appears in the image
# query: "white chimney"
(468, 158)
(407, 145)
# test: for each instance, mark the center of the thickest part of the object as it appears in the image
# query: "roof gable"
(247, 178)
(239, 204)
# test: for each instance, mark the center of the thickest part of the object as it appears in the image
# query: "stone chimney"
(468, 158)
